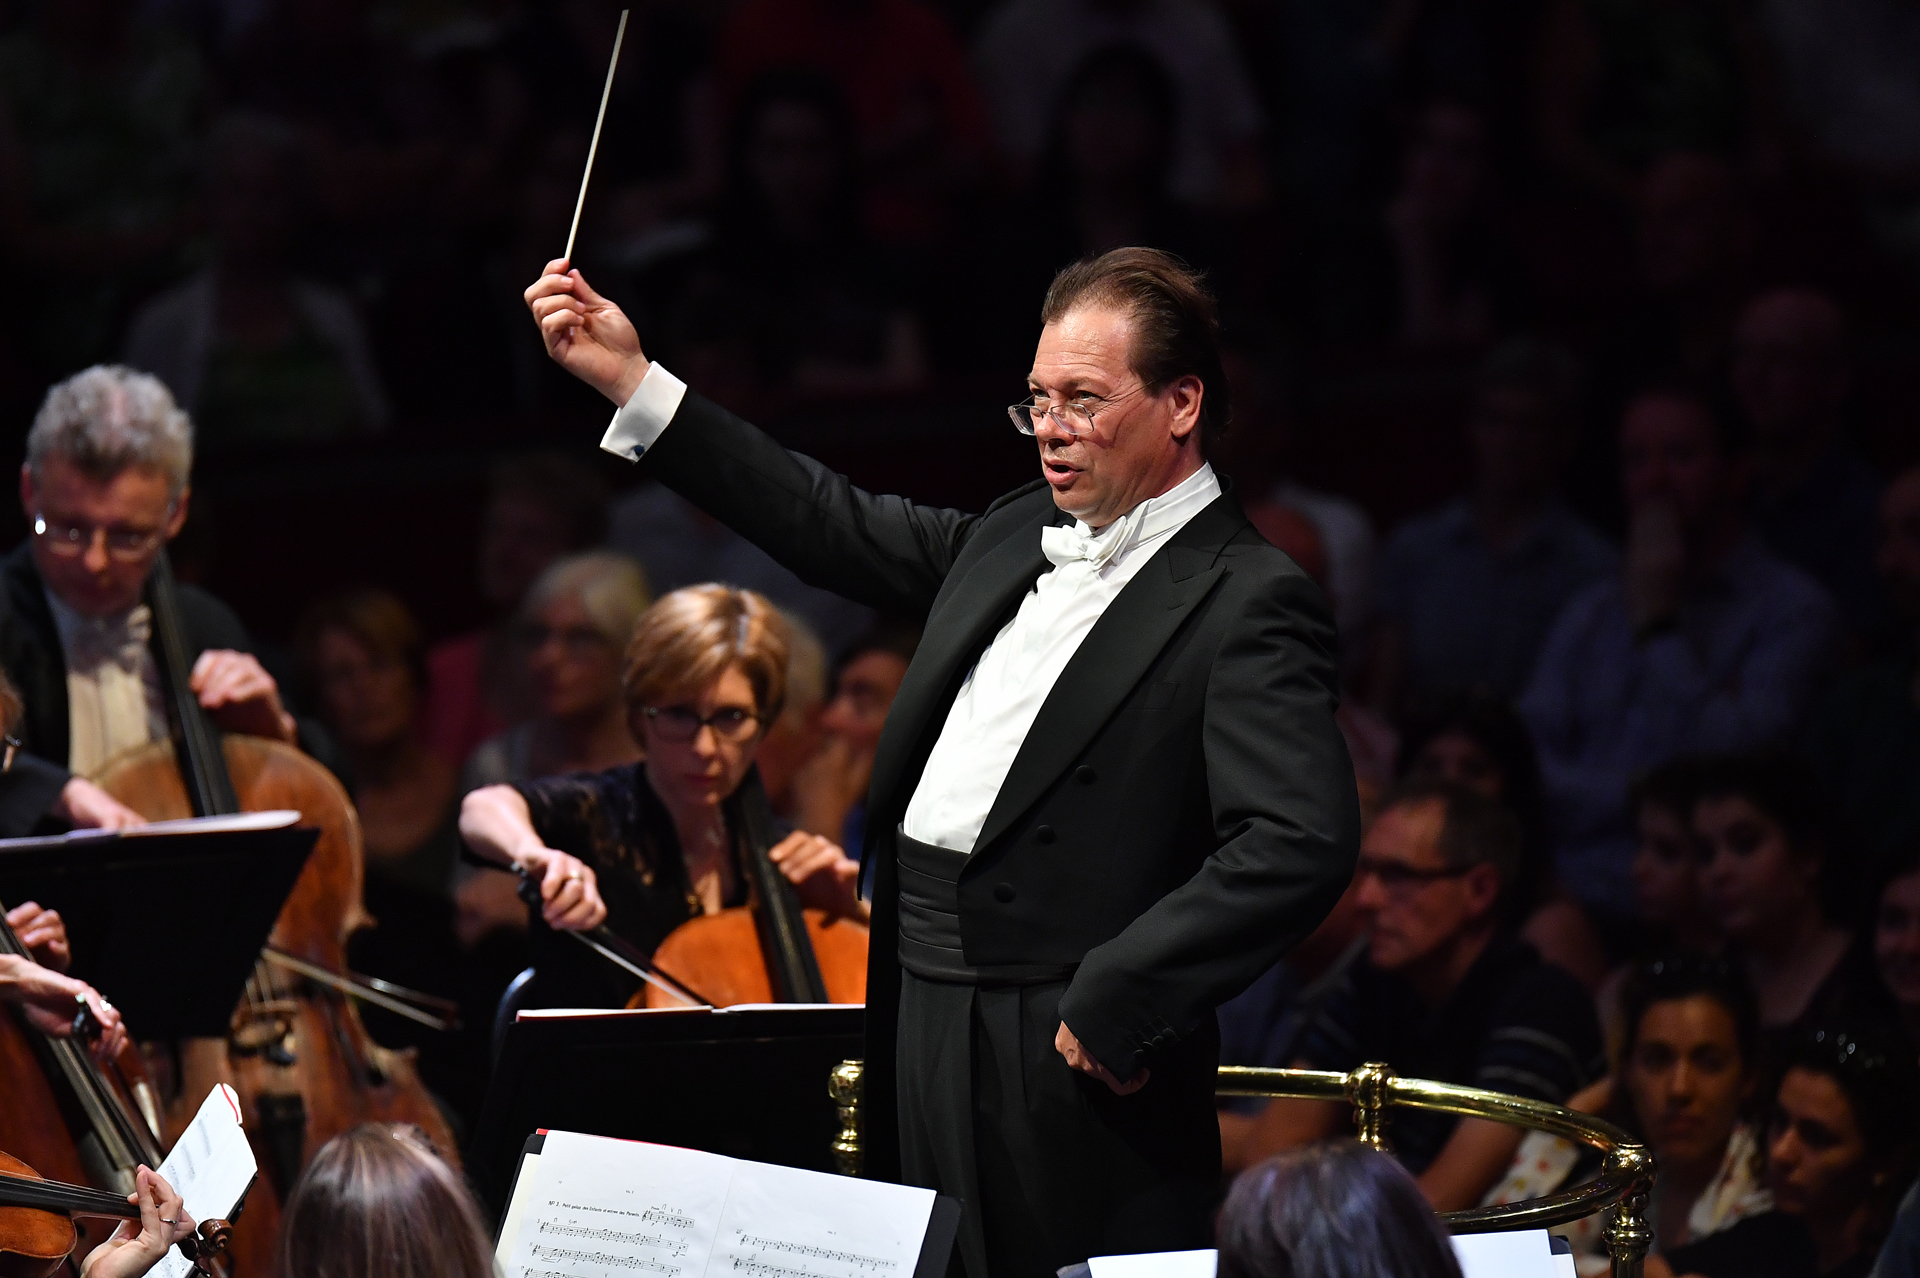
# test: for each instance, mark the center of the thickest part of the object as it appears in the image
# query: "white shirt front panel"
(1003, 693)
(114, 699)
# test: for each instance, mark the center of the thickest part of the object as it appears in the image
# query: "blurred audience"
(920, 134)
(1467, 593)
(794, 738)
(1446, 992)
(539, 507)
(1815, 501)
(1028, 49)
(1844, 1141)
(831, 787)
(1705, 641)
(257, 354)
(1476, 740)
(1864, 739)
(1688, 1073)
(1895, 925)
(1333, 1210)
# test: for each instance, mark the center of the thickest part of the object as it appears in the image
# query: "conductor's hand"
(586, 334)
(43, 932)
(824, 875)
(1081, 1059)
(50, 999)
(569, 891)
(138, 1246)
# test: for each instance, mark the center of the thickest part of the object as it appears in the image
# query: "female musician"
(647, 846)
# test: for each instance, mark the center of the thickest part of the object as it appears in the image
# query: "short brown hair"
(378, 1202)
(1176, 321)
(1474, 830)
(692, 636)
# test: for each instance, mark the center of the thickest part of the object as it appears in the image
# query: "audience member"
(681, 546)
(1704, 642)
(539, 507)
(1620, 85)
(1815, 500)
(1333, 1210)
(1844, 1142)
(1217, 134)
(257, 354)
(796, 737)
(1773, 877)
(1476, 740)
(1864, 740)
(832, 786)
(1458, 282)
(920, 130)
(1895, 924)
(101, 116)
(1685, 1082)
(1467, 594)
(791, 270)
(1665, 875)
(1446, 993)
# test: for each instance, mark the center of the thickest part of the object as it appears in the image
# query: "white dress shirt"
(114, 699)
(1005, 689)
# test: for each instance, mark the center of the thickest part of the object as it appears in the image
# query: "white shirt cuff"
(641, 420)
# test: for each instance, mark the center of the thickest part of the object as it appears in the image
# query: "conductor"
(1110, 792)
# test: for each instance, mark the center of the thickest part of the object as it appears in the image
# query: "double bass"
(66, 1111)
(297, 1053)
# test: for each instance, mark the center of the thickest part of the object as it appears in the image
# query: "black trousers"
(1052, 1166)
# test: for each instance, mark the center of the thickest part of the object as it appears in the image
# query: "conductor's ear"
(1184, 396)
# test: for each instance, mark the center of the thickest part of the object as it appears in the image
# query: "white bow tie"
(99, 641)
(1074, 542)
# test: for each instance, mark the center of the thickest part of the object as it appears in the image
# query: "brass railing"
(1626, 1172)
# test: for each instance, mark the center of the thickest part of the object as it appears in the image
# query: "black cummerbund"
(930, 912)
(930, 924)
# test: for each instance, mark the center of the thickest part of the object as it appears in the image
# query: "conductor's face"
(1109, 444)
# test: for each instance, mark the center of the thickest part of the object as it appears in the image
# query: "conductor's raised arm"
(886, 552)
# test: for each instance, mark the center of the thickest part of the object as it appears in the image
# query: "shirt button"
(1085, 775)
(1003, 893)
(1045, 833)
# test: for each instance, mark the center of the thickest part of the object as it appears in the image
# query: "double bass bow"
(297, 1053)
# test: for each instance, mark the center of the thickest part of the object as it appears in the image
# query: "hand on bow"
(85, 806)
(569, 890)
(586, 334)
(49, 1000)
(241, 696)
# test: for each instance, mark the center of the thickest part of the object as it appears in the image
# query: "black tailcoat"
(1182, 811)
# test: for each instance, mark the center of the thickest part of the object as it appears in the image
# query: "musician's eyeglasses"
(127, 545)
(681, 724)
(1076, 416)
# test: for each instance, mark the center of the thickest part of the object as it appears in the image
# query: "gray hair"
(111, 418)
(611, 587)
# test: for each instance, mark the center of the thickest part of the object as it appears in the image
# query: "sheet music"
(602, 1208)
(1156, 1264)
(1523, 1253)
(210, 1167)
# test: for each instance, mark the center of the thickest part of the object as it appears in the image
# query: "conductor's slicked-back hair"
(378, 1202)
(1334, 1210)
(1176, 321)
(111, 418)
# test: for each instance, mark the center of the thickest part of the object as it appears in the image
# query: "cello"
(297, 1053)
(64, 1109)
(770, 950)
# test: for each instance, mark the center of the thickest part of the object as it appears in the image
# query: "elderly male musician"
(1110, 791)
(104, 487)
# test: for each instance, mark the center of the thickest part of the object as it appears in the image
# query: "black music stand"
(168, 926)
(751, 1084)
